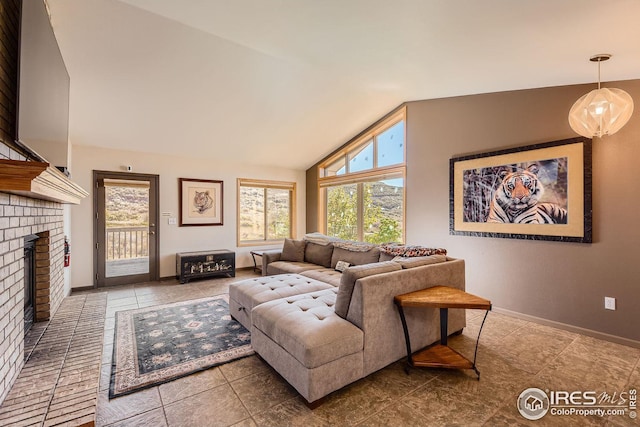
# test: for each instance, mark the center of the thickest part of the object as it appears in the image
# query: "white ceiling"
(284, 82)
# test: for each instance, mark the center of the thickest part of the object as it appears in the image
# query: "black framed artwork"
(200, 202)
(536, 192)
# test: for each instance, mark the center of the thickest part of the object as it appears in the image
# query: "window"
(361, 159)
(265, 211)
(337, 168)
(391, 145)
(342, 211)
(362, 187)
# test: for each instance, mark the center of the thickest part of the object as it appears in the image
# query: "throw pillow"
(354, 257)
(386, 257)
(411, 251)
(318, 254)
(341, 266)
(293, 250)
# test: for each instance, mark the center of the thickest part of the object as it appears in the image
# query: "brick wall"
(20, 216)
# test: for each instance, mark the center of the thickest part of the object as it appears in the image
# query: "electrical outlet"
(173, 221)
(609, 303)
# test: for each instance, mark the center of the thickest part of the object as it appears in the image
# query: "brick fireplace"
(37, 279)
(32, 198)
(32, 193)
(42, 309)
(22, 216)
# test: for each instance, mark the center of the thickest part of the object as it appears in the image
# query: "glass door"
(126, 237)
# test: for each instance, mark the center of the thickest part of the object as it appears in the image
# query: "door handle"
(152, 232)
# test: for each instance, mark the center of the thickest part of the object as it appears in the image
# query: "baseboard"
(81, 288)
(583, 331)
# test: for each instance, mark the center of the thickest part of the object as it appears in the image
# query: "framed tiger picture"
(536, 192)
(200, 202)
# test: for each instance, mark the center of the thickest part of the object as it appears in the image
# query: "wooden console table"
(440, 355)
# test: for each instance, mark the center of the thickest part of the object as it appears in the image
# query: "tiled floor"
(513, 355)
(59, 381)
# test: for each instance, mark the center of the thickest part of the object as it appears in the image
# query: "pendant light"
(602, 111)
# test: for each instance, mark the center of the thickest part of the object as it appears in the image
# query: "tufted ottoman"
(313, 348)
(246, 294)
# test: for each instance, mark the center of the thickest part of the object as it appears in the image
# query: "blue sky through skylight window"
(362, 160)
(391, 145)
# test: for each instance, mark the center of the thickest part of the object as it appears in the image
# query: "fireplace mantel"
(38, 180)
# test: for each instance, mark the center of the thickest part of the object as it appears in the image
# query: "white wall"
(172, 237)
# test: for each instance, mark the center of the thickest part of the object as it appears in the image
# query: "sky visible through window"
(363, 160)
(398, 182)
(390, 151)
(391, 145)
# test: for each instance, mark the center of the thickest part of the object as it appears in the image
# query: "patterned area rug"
(158, 344)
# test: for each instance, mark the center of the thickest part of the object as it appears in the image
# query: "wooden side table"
(440, 355)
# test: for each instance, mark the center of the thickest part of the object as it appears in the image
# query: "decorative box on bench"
(196, 265)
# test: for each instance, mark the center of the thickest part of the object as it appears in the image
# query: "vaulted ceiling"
(284, 82)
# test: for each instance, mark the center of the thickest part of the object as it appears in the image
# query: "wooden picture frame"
(498, 193)
(200, 202)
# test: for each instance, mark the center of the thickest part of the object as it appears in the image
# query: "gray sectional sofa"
(322, 329)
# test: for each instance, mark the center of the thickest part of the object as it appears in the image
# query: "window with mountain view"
(363, 185)
(265, 211)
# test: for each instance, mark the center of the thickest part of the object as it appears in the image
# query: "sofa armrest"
(268, 257)
(372, 309)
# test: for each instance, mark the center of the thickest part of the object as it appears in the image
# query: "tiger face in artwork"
(202, 202)
(516, 200)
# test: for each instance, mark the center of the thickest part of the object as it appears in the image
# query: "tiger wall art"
(520, 193)
(202, 202)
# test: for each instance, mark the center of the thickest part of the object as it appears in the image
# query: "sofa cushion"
(308, 329)
(348, 282)
(326, 275)
(284, 267)
(318, 254)
(354, 257)
(246, 294)
(293, 250)
(410, 262)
